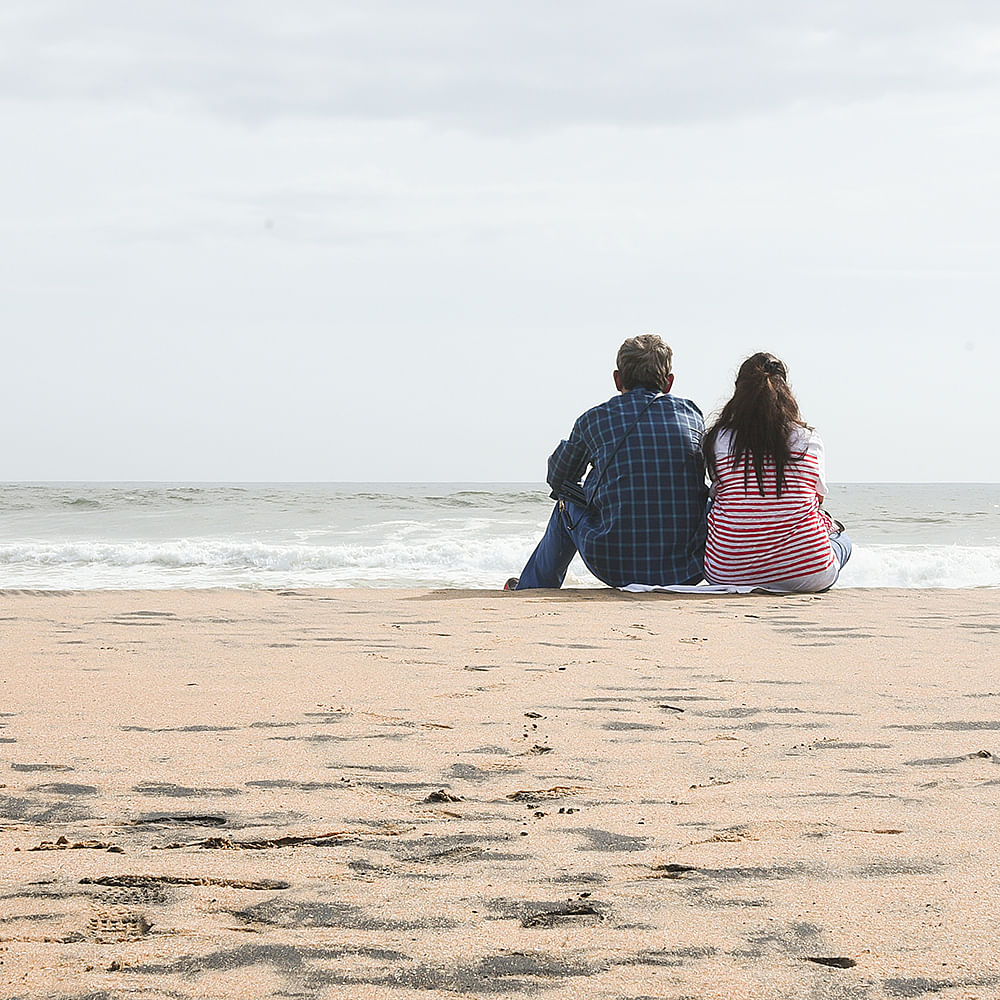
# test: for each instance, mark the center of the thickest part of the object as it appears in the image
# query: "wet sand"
(379, 794)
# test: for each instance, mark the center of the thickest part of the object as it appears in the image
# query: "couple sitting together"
(643, 515)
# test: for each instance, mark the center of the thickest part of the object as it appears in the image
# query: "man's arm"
(568, 462)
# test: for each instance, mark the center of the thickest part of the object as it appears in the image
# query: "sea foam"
(409, 559)
(922, 566)
(83, 536)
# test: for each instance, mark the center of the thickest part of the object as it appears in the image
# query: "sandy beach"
(421, 794)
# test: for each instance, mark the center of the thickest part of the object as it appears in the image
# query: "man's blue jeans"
(553, 554)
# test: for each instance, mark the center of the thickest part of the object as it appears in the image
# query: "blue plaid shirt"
(645, 517)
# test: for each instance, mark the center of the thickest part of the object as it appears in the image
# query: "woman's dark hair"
(762, 415)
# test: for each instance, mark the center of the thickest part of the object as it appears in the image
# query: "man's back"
(645, 520)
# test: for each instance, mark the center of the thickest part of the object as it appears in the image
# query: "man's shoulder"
(625, 404)
(669, 407)
(681, 405)
(678, 410)
(638, 398)
(603, 414)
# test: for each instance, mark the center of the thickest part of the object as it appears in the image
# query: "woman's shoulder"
(805, 438)
(722, 441)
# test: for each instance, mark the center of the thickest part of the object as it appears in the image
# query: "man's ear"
(670, 382)
(618, 381)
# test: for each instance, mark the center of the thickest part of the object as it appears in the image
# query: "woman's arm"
(816, 449)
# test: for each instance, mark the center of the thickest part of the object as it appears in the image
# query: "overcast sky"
(403, 240)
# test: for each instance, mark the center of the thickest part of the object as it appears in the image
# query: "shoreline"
(470, 591)
(422, 793)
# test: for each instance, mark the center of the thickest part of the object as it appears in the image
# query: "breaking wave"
(414, 556)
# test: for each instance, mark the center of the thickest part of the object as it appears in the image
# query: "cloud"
(520, 65)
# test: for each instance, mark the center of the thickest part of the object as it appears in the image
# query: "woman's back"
(756, 538)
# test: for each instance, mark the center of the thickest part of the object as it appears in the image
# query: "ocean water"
(136, 536)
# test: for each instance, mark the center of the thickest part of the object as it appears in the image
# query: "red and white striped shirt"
(757, 540)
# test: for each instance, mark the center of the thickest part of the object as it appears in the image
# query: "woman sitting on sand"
(765, 526)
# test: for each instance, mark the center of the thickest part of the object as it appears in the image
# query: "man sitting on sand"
(639, 516)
